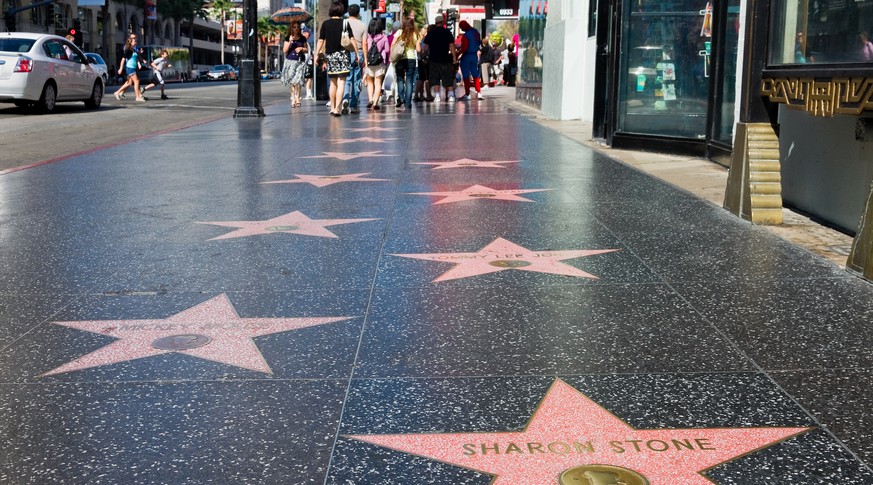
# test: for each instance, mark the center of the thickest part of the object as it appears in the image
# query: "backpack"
(374, 55)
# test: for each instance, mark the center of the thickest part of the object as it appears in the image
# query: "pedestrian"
(295, 61)
(486, 62)
(310, 67)
(422, 86)
(406, 67)
(440, 47)
(471, 41)
(337, 58)
(376, 49)
(130, 63)
(158, 66)
(352, 94)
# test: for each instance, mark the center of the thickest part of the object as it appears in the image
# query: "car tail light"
(24, 64)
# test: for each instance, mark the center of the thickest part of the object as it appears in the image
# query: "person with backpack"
(406, 43)
(376, 48)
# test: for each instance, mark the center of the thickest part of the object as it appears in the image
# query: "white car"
(99, 64)
(42, 69)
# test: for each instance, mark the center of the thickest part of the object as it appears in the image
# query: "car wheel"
(47, 100)
(96, 96)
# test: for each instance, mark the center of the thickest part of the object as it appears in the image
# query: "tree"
(416, 7)
(266, 32)
(221, 8)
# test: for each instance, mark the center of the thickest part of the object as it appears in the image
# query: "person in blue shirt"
(470, 44)
(130, 63)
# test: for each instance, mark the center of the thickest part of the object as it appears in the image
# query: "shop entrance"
(668, 74)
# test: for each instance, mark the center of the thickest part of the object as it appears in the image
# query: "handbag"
(398, 50)
(346, 40)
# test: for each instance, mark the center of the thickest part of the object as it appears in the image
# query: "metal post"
(248, 97)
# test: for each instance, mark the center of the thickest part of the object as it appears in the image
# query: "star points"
(569, 430)
(211, 330)
(325, 180)
(501, 255)
(292, 223)
(481, 192)
(467, 163)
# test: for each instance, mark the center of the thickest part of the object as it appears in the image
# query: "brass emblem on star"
(509, 263)
(601, 475)
(283, 228)
(483, 195)
(181, 342)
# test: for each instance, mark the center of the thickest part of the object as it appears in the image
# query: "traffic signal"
(77, 36)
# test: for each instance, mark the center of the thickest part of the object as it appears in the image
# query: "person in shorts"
(158, 66)
(440, 46)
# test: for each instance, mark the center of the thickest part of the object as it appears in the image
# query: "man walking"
(353, 81)
(440, 46)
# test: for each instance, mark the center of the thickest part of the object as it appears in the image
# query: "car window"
(54, 49)
(72, 53)
(16, 45)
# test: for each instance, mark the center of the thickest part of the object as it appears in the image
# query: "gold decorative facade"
(818, 97)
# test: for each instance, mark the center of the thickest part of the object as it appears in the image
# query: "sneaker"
(451, 98)
(436, 99)
(141, 90)
(429, 99)
(123, 96)
(164, 96)
(117, 96)
(354, 110)
(345, 107)
(141, 100)
(398, 104)
(465, 97)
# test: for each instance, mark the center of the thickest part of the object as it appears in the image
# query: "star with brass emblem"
(502, 255)
(365, 139)
(211, 330)
(373, 129)
(480, 192)
(570, 439)
(325, 180)
(350, 156)
(292, 223)
(467, 163)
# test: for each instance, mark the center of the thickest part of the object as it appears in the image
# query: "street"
(30, 138)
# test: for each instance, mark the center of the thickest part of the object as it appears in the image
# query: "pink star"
(569, 430)
(373, 129)
(501, 255)
(467, 163)
(211, 330)
(292, 223)
(350, 156)
(480, 192)
(325, 180)
(365, 139)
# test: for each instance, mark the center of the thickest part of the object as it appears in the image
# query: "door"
(603, 15)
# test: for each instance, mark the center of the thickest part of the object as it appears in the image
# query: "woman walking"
(376, 47)
(337, 58)
(295, 66)
(130, 63)
(406, 68)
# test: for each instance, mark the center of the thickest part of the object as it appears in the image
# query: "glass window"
(821, 31)
(665, 67)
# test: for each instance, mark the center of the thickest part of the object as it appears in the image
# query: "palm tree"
(265, 31)
(220, 8)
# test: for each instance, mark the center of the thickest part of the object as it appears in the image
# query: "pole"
(248, 98)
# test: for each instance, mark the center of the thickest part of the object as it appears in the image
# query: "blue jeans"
(407, 74)
(353, 81)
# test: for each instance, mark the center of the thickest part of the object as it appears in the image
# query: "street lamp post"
(248, 97)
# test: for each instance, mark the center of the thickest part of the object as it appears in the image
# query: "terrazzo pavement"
(626, 326)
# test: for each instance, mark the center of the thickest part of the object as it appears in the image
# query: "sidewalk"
(699, 176)
(456, 295)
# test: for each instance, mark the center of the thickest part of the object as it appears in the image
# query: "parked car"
(99, 64)
(222, 72)
(43, 69)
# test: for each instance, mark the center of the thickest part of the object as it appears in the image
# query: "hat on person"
(439, 19)
(464, 25)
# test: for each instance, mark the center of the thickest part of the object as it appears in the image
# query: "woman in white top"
(406, 68)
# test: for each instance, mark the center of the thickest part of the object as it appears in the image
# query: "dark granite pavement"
(381, 314)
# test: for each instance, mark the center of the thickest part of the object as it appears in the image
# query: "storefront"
(818, 71)
(670, 81)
